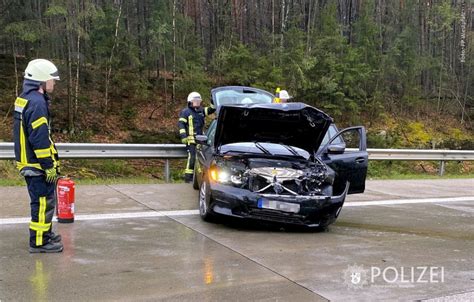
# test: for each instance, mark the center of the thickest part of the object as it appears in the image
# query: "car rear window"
(233, 97)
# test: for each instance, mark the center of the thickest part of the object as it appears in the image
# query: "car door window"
(329, 134)
(211, 133)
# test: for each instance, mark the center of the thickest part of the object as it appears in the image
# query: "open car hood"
(293, 124)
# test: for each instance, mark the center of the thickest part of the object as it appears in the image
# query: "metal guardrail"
(170, 151)
(420, 154)
(108, 151)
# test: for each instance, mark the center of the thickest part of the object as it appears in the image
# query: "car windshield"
(239, 95)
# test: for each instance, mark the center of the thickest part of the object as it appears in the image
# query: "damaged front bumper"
(312, 211)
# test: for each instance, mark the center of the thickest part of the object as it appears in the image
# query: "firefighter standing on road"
(35, 153)
(191, 123)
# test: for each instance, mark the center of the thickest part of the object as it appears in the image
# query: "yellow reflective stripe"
(206, 111)
(43, 227)
(41, 219)
(42, 210)
(23, 159)
(43, 153)
(20, 104)
(53, 152)
(182, 131)
(39, 238)
(52, 147)
(188, 171)
(191, 125)
(188, 162)
(20, 166)
(212, 106)
(39, 122)
(182, 119)
(191, 140)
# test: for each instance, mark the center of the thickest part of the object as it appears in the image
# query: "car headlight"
(219, 175)
(224, 176)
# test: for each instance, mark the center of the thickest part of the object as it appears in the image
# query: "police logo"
(355, 276)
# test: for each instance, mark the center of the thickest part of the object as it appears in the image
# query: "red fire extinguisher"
(65, 200)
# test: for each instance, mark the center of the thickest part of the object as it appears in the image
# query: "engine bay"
(276, 176)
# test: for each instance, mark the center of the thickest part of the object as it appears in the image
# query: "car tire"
(195, 181)
(204, 201)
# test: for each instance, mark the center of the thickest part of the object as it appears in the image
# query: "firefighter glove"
(51, 175)
(184, 140)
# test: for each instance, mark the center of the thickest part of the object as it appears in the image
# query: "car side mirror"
(202, 140)
(336, 148)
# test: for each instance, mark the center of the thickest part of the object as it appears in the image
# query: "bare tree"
(109, 62)
(173, 94)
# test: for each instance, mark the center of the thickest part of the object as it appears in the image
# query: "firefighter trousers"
(42, 209)
(188, 172)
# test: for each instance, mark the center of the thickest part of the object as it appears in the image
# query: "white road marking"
(136, 215)
(84, 217)
(405, 201)
(148, 214)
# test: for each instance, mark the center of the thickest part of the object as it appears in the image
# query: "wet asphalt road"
(149, 251)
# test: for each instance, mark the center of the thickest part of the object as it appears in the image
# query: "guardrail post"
(167, 170)
(441, 168)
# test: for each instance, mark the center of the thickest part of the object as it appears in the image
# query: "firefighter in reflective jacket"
(35, 153)
(191, 123)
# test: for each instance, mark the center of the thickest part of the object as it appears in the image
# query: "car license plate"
(278, 205)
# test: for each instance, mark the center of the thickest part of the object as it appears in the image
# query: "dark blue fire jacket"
(34, 148)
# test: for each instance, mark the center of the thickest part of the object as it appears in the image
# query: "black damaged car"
(276, 162)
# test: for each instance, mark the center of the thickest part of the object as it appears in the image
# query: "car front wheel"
(204, 198)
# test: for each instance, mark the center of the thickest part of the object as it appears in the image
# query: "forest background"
(402, 68)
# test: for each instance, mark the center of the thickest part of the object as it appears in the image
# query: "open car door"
(346, 153)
